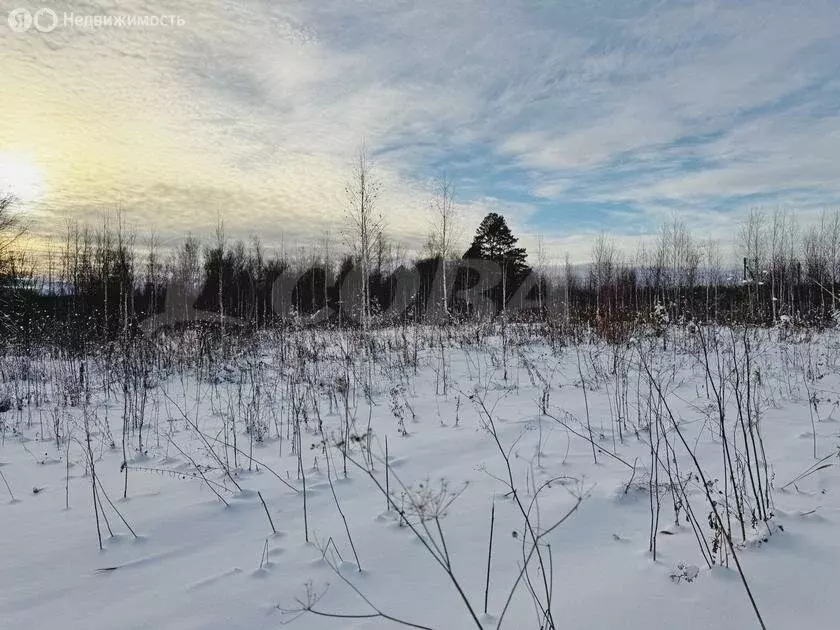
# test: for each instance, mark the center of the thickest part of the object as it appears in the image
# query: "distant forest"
(98, 287)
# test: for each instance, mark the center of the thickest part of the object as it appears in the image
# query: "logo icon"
(45, 20)
(20, 20)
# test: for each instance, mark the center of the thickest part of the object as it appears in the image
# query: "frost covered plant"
(685, 572)
(426, 501)
(659, 321)
(5, 401)
(398, 409)
(730, 373)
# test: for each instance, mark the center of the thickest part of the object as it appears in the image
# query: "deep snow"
(197, 563)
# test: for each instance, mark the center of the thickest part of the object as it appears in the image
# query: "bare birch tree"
(441, 241)
(541, 259)
(365, 223)
(10, 228)
(603, 268)
(752, 246)
(831, 235)
(714, 275)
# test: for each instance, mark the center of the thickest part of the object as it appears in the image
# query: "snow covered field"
(290, 434)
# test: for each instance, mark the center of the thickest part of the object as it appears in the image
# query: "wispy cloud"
(571, 117)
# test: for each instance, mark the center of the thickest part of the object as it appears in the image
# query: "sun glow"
(20, 177)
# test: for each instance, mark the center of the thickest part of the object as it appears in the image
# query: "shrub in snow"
(687, 572)
(660, 315)
(5, 402)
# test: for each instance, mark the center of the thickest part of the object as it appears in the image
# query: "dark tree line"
(98, 288)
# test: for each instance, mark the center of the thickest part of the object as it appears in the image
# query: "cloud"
(571, 117)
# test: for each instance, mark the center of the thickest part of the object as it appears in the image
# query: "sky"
(568, 117)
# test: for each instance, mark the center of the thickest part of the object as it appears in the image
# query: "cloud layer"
(571, 117)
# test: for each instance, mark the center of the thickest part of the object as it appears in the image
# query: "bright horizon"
(568, 118)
